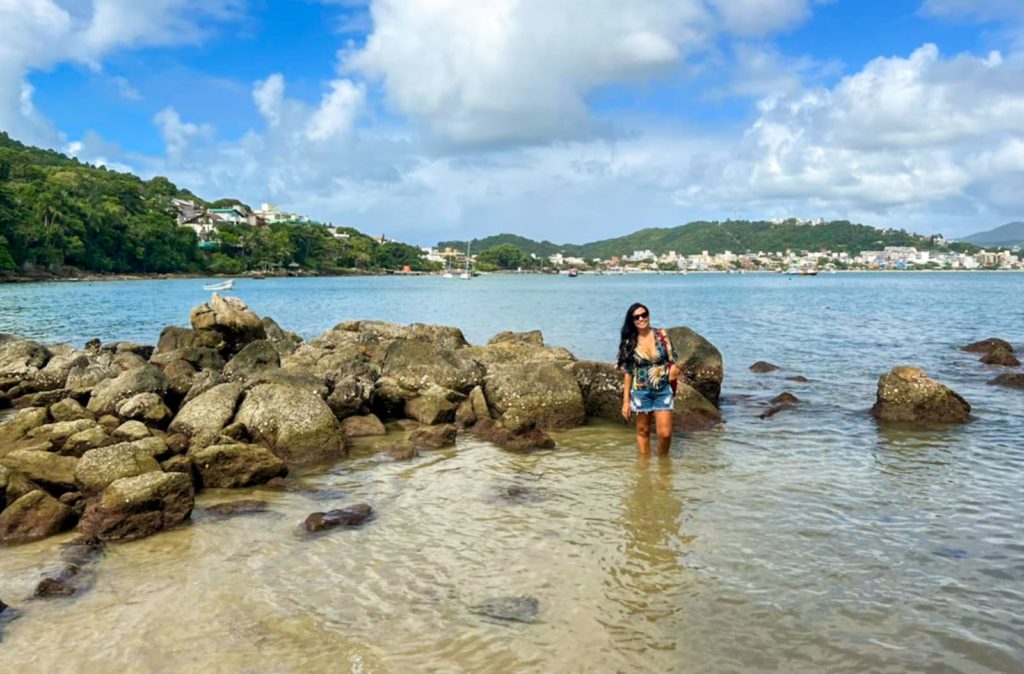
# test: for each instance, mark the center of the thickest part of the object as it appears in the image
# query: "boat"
(466, 275)
(573, 273)
(223, 285)
(448, 271)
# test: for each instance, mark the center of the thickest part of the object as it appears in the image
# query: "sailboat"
(448, 271)
(466, 275)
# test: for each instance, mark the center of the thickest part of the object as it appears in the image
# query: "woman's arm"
(626, 383)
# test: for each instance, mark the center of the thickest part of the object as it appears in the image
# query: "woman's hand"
(673, 372)
(625, 411)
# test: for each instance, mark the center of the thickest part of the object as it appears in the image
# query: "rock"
(35, 515)
(533, 337)
(799, 378)
(906, 394)
(1009, 379)
(109, 422)
(21, 358)
(988, 345)
(433, 405)
(202, 418)
(236, 431)
(13, 485)
(290, 377)
(177, 443)
(203, 382)
(59, 585)
(249, 506)
(699, 361)
(174, 338)
(98, 468)
(54, 374)
(236, 465)
(479, 402)
(153, 445)
(464, 414)
(350, 397)
(534, 394)
(107, 394)
(762, 367)
(145, 407)
(5, 479)
(349, 516)
(512, 609)
(692, 411)
(57, 433)
(295, 423)
(51, 471)
(405, 424)
(786, 398)
(74, 500)
(416, 365)
(181, 375)
(601, 386)
(402, 450)
(17, 427)
(231, 319)
(181, 463)
(522, 440)
(89, 371)
(1000, 356)
(134, 507)
(131, 430)
(254, 357)
(40, 399)
(81, 442)
(69, 409)
(434, 437)
(357, 427)
(284, 342)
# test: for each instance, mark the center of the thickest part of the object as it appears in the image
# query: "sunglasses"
(641, 317)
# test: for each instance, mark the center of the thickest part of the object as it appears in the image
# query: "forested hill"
(57, 213)
(528, 246)
(738, 236)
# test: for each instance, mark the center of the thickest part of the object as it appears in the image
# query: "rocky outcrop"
(21, 358)
(534, 394)
(135, 507)
(254, 357)
(906, 394)
(601, 386)
(236, 465)
(296, 424)
(532, 337)
(988, 345)
(692, 411)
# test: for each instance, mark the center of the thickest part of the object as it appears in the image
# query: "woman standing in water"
(648, 359)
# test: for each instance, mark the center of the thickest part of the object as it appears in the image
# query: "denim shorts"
(645, 400)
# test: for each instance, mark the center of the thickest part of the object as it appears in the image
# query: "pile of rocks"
(115, 439)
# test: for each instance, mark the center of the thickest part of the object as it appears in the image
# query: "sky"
(565, 120)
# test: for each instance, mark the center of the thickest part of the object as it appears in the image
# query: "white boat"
(466, 275)
(223, 285)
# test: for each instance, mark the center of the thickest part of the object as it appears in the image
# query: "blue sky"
(569, 120)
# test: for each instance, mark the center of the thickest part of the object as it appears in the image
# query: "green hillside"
(58, 214)
(738, 236)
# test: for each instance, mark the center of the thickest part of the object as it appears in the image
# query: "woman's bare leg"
(663, 422)
(643, 432)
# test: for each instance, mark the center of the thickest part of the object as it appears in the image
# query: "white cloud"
(982, 10)
(337, 111)
(179, 135)
(268, 95)
(520, 71)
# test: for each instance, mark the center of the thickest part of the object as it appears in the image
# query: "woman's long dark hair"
(628, 336)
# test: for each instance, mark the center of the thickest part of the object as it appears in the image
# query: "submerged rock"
(362, 426)
(763, 367)
(249, 506)
(988, 345)
(798, 378)
(1009, 380)
(512, 609)
(1000, 356)
(434, 437)
(349, 516)
(403, 450)
(906, 394)
(521, 440)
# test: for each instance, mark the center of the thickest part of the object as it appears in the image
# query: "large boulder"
(351, 396)
(284, 341)
(134, 507)
(692, 411)
(199, 348)
(534, 394)
(416, 365)
(1000, 356)
(54, 374)
(69, 409)
(906, 394)
(109, 393)
(202, 418)
(88, 371)
(58, 432)
(601, 386)
(294, 422)
(1009, 380)
(236, 465)
(145, 407)
(34, 515)
(699, 361)
(98, 468)
(54, 472)
(433, 405)
(231, 319)
(254, 357)
(180, 376)
(361, 426)
(81, 442)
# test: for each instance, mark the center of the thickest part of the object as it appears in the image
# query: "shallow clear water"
(812, 541)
